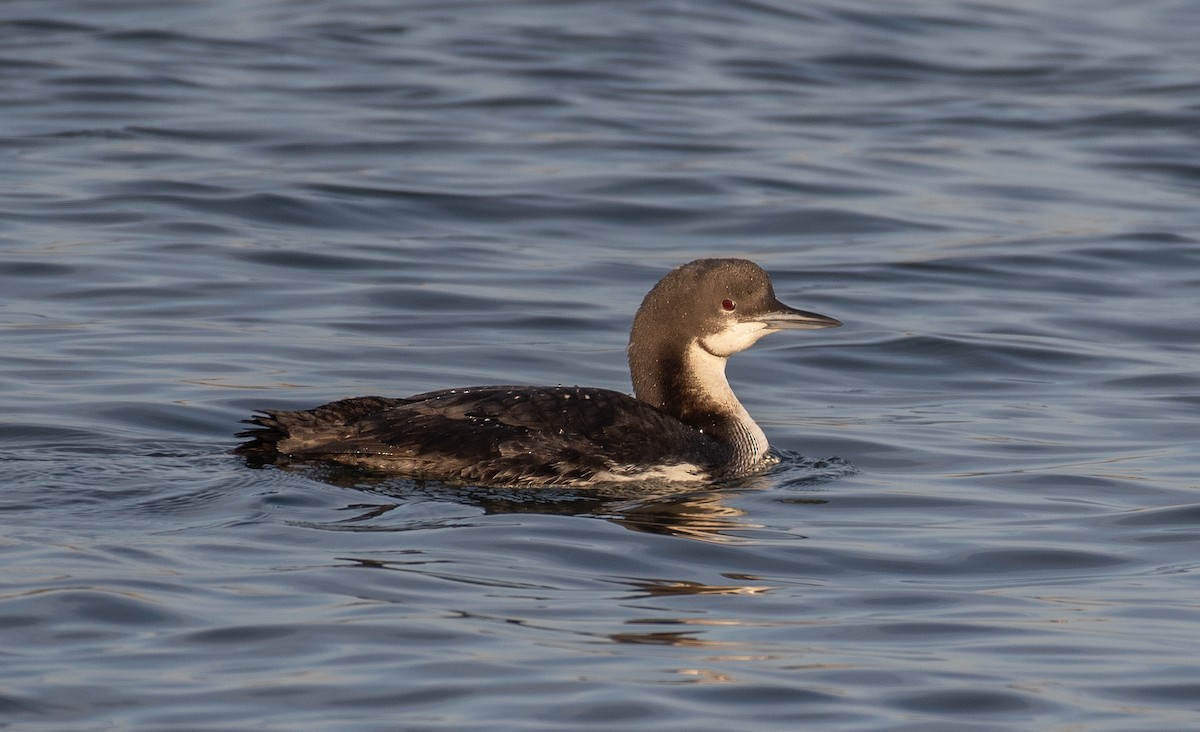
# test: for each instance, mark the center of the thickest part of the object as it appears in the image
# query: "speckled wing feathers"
(495, 434)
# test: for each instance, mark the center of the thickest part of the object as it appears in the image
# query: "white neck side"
(710, 382)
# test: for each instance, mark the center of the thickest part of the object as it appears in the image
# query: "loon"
(683, 424)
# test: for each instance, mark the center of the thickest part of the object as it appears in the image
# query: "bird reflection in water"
(700, 512)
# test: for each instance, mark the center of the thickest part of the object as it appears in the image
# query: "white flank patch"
(677, 473)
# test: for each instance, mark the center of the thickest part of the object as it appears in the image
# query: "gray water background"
(988, 513)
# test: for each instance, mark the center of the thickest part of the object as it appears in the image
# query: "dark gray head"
(722, 306)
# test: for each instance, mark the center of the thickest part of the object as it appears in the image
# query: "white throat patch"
(734, 339)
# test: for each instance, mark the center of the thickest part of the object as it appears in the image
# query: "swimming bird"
(683, 423)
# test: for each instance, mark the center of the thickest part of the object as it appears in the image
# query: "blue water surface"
(988, 512)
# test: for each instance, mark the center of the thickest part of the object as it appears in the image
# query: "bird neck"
(688, 382)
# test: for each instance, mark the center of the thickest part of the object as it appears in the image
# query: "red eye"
(728, 305)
